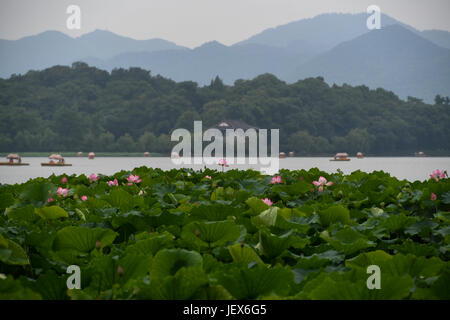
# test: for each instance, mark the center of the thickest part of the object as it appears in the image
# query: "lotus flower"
(64, 180)
(93, 177)
(223, 163)
(267, 201)
(321, 183)
(50, 200)
(208, 177)
(276, 179)
(133, 179)
(83, 198)
(433, 196)
(113, 183)
(436, 175)
(62, 192)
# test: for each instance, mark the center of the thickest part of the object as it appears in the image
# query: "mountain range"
(337, 47)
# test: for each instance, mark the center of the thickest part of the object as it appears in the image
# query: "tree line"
(82, 108)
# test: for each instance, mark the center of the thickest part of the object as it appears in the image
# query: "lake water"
(401, 167)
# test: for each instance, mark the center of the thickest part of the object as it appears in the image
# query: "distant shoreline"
(156, 155)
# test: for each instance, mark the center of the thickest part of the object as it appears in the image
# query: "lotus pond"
(185, 234)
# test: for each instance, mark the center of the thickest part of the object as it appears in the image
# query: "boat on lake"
(14, 160)
(342, 156)
(420, 154)
(360, 155)
(56, 160)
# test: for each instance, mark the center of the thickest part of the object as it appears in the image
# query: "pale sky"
(193, 22)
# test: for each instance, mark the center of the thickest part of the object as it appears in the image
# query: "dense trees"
(84, 108)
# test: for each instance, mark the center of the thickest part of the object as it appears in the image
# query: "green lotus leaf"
(186, 284)
(37, 193)
(319, 260)
(22, 215)
(51, 213)
(6, 200)
(438, 290)
(243, 254)
(397, 222)
(347, 240)
(82, 239)
(104, 271)
(122, 200)
(51, 286)
(168, 261)
(245, 283)
(397, 265)
(443, 216)
(272, 245)
(269, 216)
(12, 253)
(256, 205)
(212, 233)
(215, 212)
(152, 244)
(353, 286)
(417, 249)
(334, 214)
(11, 289)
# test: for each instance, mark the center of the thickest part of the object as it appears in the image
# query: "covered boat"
(14, 160)
(359, 155)
(341, 156)
(56, 160)
(91, 155)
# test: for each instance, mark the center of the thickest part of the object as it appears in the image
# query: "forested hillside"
(84, 108)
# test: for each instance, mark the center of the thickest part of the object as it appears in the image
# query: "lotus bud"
(197, 232)
(120, 271)
(98, 245)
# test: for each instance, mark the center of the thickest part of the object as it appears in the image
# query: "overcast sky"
(193, 22)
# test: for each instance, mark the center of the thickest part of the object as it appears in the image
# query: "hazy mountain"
(204, 63)
(439, 37)
(338, 47)
(392, 57)
(53, 47)
(319, 33)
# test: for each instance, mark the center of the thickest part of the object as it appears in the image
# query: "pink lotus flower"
(267, 201)
(50, 200)
(62, 192)
(433, 196)
(208, 177)
(83, 198)
(64, 180)
(133, 179)
(301, 178)
(276, 179)
(93, 177)
(113, 183)
(223, 163)
(436, 175)
(321, 183)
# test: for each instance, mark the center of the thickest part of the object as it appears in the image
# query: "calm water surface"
(403, 168)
